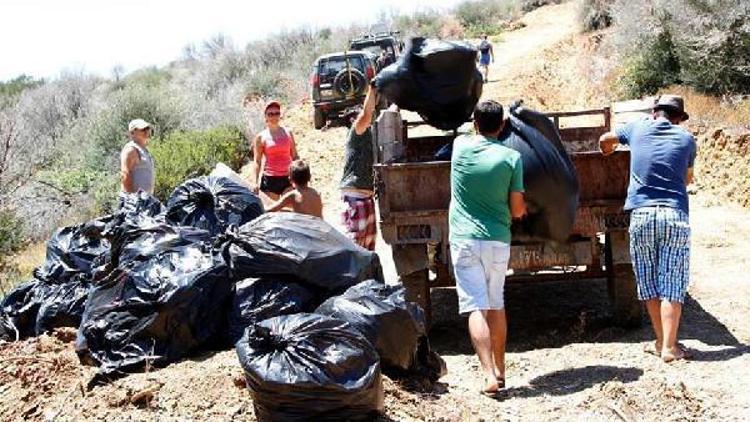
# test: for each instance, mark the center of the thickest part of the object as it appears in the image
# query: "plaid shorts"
(359, 220)
(660, 248)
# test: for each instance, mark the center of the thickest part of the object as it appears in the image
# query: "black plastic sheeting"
(310, 367)
(395, 326)
(258, 299)
(62, 305)
(212, 203)
(71, 252)
(550, 179)
(20, 308)
(165, 300)
(437, 79)
(299, 246)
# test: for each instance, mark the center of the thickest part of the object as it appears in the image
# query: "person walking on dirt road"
(136, 163)
(356, 185)
(661, 166)
(486, 54)
(273, 151)
(486, 193)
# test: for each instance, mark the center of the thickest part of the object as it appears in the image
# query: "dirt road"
(566, 360)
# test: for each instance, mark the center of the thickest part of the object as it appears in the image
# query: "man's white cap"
(138, 124)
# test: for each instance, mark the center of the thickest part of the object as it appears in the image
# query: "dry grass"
(708, 110)
(19, 267)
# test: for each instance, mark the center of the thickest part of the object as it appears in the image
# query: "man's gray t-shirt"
(660, 155)
(358, 161)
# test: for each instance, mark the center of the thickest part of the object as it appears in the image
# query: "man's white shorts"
(479, 267)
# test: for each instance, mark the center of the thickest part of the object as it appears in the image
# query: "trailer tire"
(342, 85)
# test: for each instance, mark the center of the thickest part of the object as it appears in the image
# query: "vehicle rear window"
(334, 65)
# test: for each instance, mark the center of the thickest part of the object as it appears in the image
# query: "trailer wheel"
(418, 291)
(623, 295)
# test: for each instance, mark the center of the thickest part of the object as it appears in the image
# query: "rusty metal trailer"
(413, 193)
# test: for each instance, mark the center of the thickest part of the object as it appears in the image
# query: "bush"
(12, 89)
(11, 232)
(105, 133)
(485, 16)
(595, 15)
(529, 5)
(657, 67)
(422, 23)
(713, 54)
(183, 155)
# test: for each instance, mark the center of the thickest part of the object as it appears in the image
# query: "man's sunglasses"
(273, 113)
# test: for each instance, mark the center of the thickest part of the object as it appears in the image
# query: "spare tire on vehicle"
(350, 82)
(299, 246)
(310, 367)
(438, 79)
(395, 326)
(212, 203)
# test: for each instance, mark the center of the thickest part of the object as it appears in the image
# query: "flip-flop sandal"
(651, 350)
(500, 383)
(681, 354)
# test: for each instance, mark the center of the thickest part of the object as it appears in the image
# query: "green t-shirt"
(483, 173)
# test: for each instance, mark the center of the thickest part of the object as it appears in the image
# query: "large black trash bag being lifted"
(300, 246)
(163, 303)
(258, 299)
(393, 325)
(550, 179)
(212, 203)
(310, 367)
(437, 79)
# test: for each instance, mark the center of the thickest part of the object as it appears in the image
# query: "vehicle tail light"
(370, 72)
(315, 80)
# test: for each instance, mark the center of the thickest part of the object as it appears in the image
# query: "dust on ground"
(566, 360)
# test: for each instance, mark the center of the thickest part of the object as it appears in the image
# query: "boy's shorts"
(479, 267)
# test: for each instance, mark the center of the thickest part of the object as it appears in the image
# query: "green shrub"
(71, 180)
(183, 155)
(656, 67)
(423, 23)
(11, 232)
(10, 90)
(595, 15)
(104, 134)
(529, 5)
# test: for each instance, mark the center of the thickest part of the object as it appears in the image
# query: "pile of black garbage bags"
(313, 322)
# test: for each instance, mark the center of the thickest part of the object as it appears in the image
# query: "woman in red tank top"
(273, 151)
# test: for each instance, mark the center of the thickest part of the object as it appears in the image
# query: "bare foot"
(656, 350)
(490, 386)
(677, 353)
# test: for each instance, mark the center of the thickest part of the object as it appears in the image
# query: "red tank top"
(278, 152)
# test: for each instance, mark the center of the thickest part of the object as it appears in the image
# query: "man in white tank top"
(136, 164)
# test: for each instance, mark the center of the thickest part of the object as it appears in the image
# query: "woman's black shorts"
(274, 184)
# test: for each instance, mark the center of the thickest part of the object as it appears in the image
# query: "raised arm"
(364, 119)
(608, 143)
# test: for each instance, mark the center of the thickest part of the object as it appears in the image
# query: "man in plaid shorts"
(357, 181)
(661, 165)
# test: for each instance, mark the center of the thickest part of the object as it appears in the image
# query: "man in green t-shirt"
(486, 193)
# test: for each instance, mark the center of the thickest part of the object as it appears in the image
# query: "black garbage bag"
(437, 79)
(167, 300)
(395, 326)
(212, 203)
(71, 252)
(301, 246)
(310, 367)
(19, 309)
(258, 299)
(550, 179)
(62, 305)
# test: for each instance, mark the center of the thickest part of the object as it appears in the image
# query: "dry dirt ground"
(566, 360)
